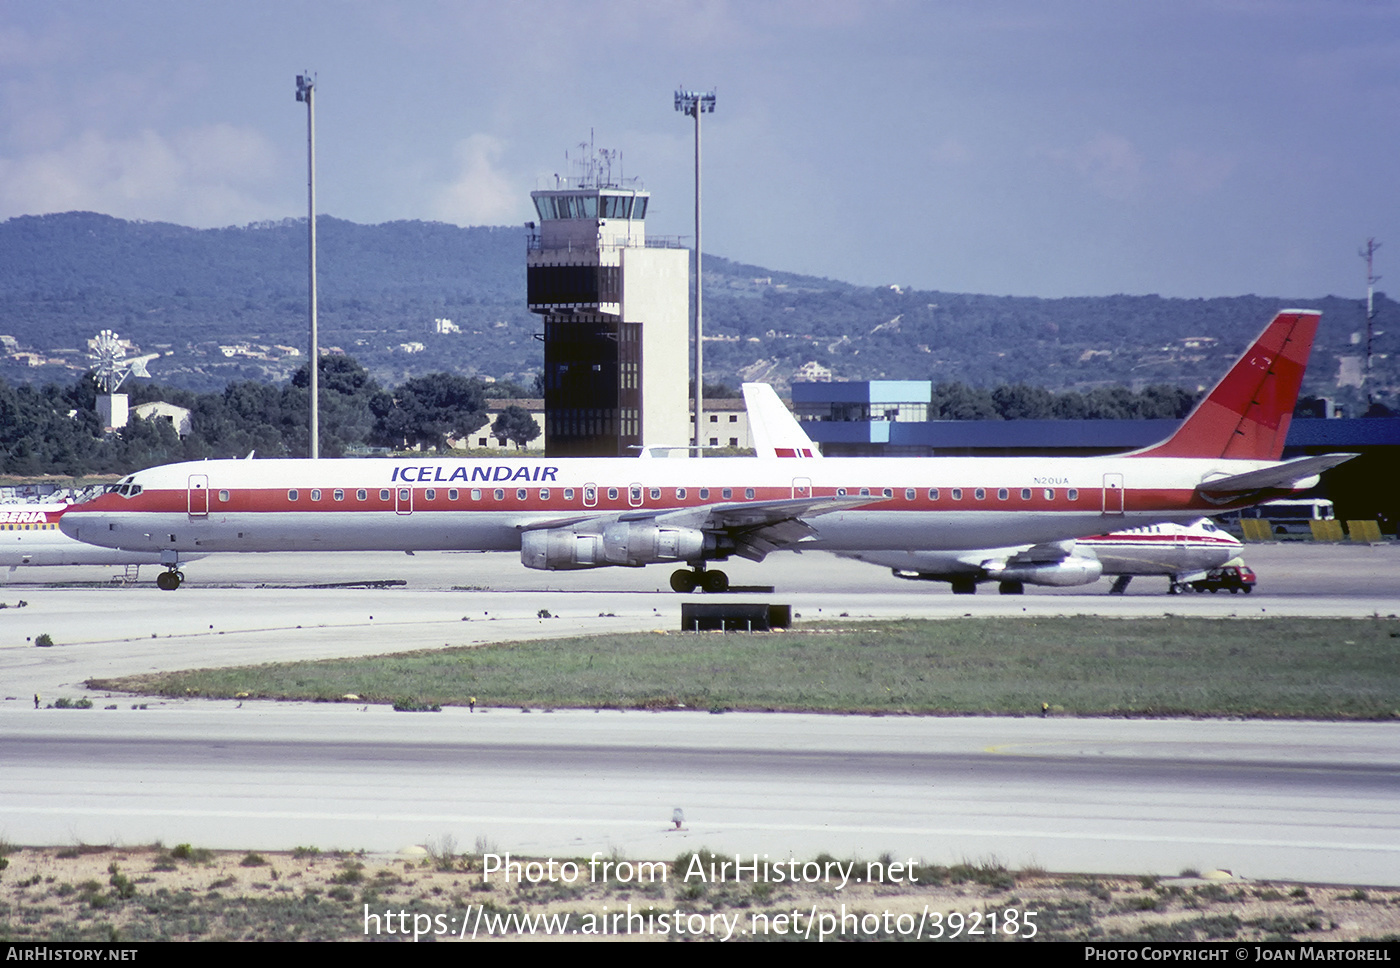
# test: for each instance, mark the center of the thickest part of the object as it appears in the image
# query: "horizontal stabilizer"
(1281, 476)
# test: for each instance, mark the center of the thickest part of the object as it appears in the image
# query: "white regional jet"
(30, 536)
(593, 512)
(1182, 552)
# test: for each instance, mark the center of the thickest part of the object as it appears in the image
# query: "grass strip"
(1292, 667)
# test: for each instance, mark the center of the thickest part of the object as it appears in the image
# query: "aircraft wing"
(753, 527)
(1289, 474)
(1045, 553)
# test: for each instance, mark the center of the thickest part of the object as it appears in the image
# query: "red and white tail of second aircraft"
(595, 512)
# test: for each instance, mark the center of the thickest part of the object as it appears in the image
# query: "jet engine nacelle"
(1073, 570)
(627, 543)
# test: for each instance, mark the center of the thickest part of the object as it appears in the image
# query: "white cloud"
(1199, 172)
(1109, 162)
(479, 193)
(211, 175)
(953, 152)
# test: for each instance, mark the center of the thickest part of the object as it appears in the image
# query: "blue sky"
(1186, 148)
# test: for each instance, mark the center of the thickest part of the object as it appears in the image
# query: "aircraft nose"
(71, 525)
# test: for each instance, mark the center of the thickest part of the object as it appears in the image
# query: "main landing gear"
(686, 580)
(168, 581)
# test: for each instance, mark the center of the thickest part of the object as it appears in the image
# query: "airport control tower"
(616, 314)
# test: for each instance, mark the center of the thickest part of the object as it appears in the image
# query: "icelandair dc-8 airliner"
(580, 513)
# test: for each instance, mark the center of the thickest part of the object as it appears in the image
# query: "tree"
(346, 417)
(516, 425)
(426, 410)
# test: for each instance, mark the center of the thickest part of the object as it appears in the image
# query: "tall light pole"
(306, 86)
(1369, 254)
(694, 104)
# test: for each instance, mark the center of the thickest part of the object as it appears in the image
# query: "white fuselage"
(30, 537)
(1155, 549)
(455, 504)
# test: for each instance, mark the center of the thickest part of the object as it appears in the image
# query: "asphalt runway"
(1306, 801)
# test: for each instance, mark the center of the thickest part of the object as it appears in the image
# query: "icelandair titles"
(437, 474)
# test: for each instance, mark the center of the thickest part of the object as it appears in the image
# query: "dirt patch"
(183, 893)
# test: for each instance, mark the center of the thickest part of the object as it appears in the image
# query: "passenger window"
(1049, 494)
(383, 494)
(727, 493)
(748, 494)
(452, 494)
(980, 494)
(476, 494)
(430, 495)
(568, 493)
(840, 492)
(933, 494)
(405, 494)
(223, 495)
(1003, 494)
(361, 495)
(704, 493)
(865, 492)
(1025, 494)
(909, 494)
(887, 492)
(656, 493)
(612, 494)
(338, 494)
(956, 494)
(1072, 494)
(520, 494)
(291, 495)
(316, 495)
(499, 494)
(544, 494)
(680, 494)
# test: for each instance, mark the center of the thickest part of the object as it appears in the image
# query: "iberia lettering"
(439, 474)
(21, 517)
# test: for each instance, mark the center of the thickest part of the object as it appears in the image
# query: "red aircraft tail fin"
(1246, 416)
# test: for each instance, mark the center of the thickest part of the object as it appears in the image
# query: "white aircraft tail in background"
(775, 431)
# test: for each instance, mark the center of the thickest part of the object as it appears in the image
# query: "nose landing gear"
(168, 581)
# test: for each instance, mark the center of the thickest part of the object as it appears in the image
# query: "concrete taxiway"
(1315, 801)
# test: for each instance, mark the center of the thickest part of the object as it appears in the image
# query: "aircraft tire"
(1011, 588)
(168, 581)
(683, 581)
(715, 582)
(964, 586)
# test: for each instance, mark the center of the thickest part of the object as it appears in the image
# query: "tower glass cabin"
(615, 313)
